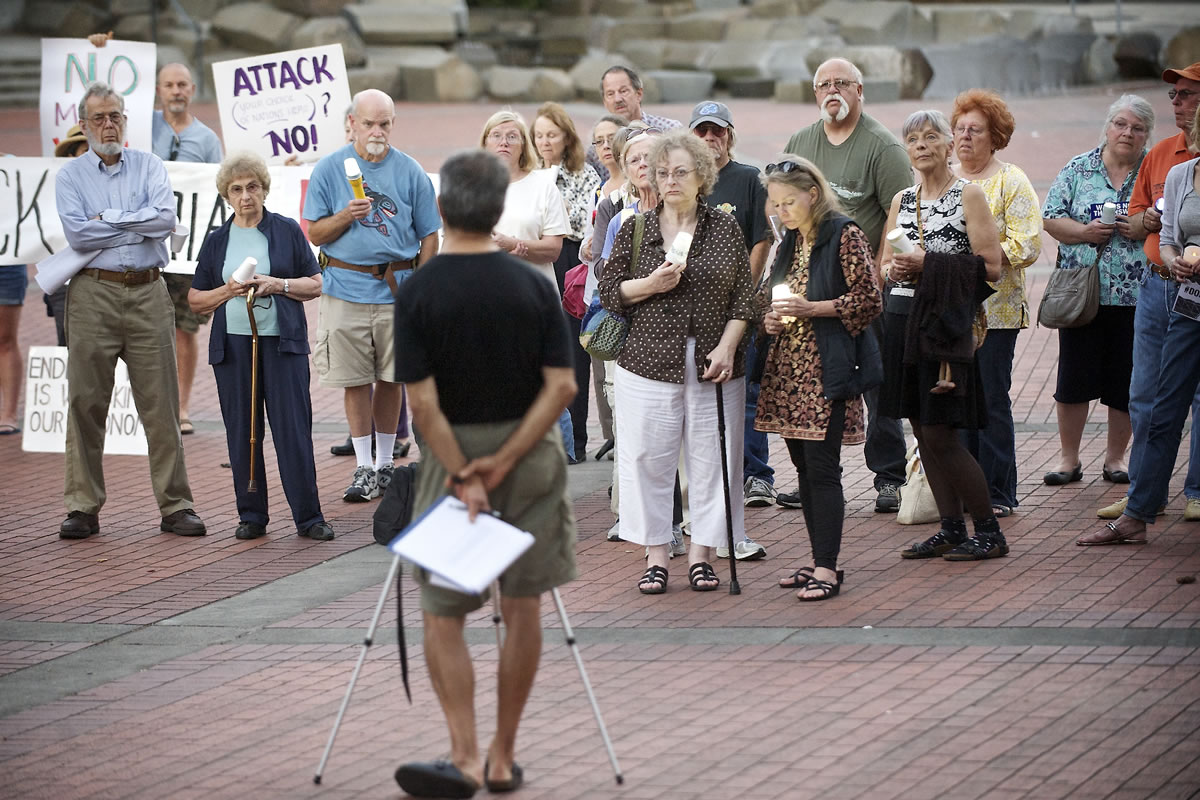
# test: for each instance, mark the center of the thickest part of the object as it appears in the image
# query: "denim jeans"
(568, 433)
(1178, 380)
(1153, 312)
(995, 446)
(885, 449)
(755, 452)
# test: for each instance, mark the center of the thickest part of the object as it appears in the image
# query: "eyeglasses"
(114, 117)
(679, 174)
(841, 84)
(783, 166)
(603, 141)
(174, 148)
(510, 138)
(971, 131)
(1182, 94)
(636, 132)
(236, 190)
(1135, 129)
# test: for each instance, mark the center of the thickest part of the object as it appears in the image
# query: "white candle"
(899, 241)
(1191, 254)
(245, 270)
(679, 248)
(1108, 214)
(781, 291)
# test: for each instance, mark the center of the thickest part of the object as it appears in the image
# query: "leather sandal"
(654, 581)
(803, 575)
(702, 571)
(1110, 535)
(826, 588)
(941, 542)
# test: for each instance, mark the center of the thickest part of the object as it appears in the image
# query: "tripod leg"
(587, 685)
(362, 656)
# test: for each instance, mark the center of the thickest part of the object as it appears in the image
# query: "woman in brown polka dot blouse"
(687, 321)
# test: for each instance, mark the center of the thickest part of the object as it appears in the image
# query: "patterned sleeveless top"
(942, 221)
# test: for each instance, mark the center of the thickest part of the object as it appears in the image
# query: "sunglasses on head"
(783, 166)
(636, 132)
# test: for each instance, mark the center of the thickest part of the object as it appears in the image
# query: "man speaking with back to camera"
(483, 349)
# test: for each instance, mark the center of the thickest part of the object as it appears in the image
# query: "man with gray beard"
(118, 203)
(865, 166)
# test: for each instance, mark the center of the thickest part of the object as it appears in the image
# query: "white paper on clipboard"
(461, 555)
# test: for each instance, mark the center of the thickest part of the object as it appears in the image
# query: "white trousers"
(653, 419)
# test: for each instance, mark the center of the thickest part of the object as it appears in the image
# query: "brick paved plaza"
(137, 664)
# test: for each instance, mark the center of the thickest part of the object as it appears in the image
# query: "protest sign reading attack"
(284, 104)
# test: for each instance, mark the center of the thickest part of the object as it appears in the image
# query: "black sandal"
(654, 581)
(826, 588)
(702, 571)
(803, 575)
(941, 542)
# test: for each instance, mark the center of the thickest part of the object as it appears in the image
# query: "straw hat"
(66, 146)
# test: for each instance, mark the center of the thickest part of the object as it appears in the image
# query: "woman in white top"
(535, 217)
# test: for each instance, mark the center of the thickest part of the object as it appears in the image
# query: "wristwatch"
(286, 289)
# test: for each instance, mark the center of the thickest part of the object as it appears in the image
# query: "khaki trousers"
(107, 320)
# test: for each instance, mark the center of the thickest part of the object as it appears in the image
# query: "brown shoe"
(79, 525)
(183, 523)
(1110, 535)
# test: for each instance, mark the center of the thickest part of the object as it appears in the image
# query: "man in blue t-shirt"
(368, 245)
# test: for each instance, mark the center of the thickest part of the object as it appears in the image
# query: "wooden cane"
(252, 486)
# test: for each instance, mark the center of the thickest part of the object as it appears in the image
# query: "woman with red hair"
(982, 126)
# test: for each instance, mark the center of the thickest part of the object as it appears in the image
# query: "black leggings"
(955, 478)
(819, 472)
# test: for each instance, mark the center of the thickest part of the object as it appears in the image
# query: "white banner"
(30, 229)
(284, 104)
(69, 65)
(46, 408)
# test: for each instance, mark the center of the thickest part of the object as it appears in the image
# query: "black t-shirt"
(483, 325)
(739, 192)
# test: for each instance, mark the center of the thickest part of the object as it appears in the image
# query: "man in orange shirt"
(1157, 292)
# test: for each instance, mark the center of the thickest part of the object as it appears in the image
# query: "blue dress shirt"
(134, 202)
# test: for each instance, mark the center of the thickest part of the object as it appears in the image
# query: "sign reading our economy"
(69, 65)
(282, 105)
(46, 408)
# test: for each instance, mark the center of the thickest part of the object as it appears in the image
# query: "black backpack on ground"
(396, 506)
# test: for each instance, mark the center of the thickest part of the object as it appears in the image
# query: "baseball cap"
(67, 144)
(1191, 73)
(711, 111)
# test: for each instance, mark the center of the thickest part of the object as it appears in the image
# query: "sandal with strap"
(654, 581)
(979, 547)
(702, 571)
(941, 542)
(826, 589)
(803, 575)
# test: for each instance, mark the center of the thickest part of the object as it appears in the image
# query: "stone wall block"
(388, 23)
(1183, 48)
(682, 86)
(257, 27)
(321, 31)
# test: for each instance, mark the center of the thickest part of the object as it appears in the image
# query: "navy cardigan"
(291, 257)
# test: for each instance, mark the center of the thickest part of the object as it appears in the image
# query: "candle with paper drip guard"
(899, 241)
(245, 270)
(780, 291)
(679, 248)
(354, 175)
(1191, 254)
(1108, 213)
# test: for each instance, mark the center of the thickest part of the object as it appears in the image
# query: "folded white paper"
(54, 272)
(461, 555)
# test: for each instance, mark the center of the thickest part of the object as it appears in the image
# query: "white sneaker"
(614, 533)
(759, 493)
(362, 488)
(383, 479)
(678, 548)
(749, 550)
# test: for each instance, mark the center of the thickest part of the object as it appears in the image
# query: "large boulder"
(737, 59)
(794, 91)
(585, 75)
(1136, 55)
(321, 31)
(702, 26)
(646, 53)
(313, 8)
(877, 21)
(402, 23)
(529, 84)
(134, 27)
(687, 55)
(69, 19)
(1183, 48)
(764, 29)
(786, 60)
(1028, 23)
(1099, 65)
(682, 86)
(384, 77)
(962, 24)
(1003, 63)
(257, 27)
(907, 67)
(479, 55)
(429, 74)
(632, 28)
(1061, 59)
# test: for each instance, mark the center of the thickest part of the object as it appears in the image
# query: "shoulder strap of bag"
(639, 227)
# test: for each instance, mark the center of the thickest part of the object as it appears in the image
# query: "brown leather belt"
(379, 272)
(129, 278)
(1161, 272)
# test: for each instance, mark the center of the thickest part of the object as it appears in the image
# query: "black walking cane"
(733, 581)
(252, 486)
